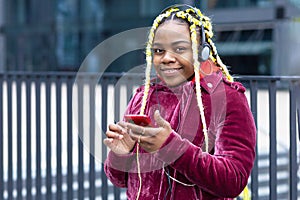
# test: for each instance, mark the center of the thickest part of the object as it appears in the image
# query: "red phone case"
(141, 120)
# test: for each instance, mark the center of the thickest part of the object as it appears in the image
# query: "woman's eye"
(180, 49)
(158, 51)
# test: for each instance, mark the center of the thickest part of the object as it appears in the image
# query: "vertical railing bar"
(254, 173)
(70, 138)
(58, 139)
(38, 183)
(298, 106)
(298, 117)
(273, 139)
(298, 123)
(92, 173)
(10, 185)
(298, 114)
(138, 80)
(104, 86)
(117, 118)
(28, 136)
(117, 96)
(134, 81)
(19, 136)
(48, 139)
(1, 138)
(80, 139)
(293, 144)
(129, 88)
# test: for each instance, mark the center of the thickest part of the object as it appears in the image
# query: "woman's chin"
(174, 82)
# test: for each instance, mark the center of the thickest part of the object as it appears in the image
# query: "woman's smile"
(168, 72)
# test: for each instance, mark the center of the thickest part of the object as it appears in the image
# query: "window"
(79, 23)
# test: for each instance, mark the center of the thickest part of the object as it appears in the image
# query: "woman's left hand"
(151, 138)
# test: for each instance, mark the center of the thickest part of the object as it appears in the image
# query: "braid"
(217, 60)
(197, 79)
(156, 23)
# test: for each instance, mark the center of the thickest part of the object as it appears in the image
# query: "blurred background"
(253, 37)
(51, 129)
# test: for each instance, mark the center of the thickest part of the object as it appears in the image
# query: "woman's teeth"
(170, 70)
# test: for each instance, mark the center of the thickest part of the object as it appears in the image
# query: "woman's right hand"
(118, 139)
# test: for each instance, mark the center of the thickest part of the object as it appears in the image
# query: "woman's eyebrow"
(157, 44)
(173, 43)
(180, 42)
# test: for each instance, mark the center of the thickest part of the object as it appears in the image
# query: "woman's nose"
(169, 56)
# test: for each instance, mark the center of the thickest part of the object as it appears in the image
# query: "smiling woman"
(201, 141)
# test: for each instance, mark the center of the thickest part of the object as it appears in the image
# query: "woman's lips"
(170, 71)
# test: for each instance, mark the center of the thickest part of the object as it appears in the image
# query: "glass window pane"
(79, 24)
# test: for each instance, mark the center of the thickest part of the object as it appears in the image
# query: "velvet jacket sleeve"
(116, 166)
(225, 172)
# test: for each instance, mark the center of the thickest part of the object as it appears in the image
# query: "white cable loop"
(174, 179)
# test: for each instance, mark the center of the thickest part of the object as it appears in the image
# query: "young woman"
(200, 144)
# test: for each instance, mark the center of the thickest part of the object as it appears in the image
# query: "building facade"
(254, 37)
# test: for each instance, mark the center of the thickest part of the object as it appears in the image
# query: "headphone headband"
(205, 48)
(178, 6)
(182, 7)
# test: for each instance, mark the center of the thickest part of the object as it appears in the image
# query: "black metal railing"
(52, 126)
(272, 85)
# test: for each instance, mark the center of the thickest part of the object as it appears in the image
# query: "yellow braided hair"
(197, 79)
(155, 24)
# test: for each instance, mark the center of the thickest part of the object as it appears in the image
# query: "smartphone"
(141, 120)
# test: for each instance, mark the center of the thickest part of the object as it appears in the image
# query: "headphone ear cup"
(204, 52)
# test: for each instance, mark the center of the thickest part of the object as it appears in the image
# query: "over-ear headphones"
(204, 47)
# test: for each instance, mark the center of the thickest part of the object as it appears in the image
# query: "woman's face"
(172, 53)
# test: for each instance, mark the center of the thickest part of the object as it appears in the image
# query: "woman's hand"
(150, 138)
(118, 139)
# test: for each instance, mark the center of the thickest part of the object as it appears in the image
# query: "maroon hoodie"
(220, 174)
